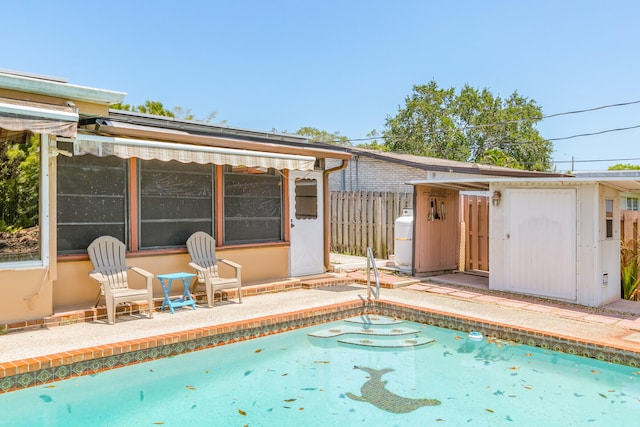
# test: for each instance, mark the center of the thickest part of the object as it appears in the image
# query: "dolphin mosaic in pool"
(374, 392)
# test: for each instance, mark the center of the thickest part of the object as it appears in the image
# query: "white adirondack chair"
(202, 249)
(107, 255)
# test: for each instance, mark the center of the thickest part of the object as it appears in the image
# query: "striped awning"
(36, 117)
(102, 146)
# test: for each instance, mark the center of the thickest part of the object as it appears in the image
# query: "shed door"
(306, 254)
(540, 247)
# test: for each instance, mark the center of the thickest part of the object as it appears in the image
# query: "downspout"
(327, 212)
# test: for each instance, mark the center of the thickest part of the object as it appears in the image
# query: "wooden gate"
(475, 232)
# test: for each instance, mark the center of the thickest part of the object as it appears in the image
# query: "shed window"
(609, 217)
(176, 200)
(252, 205)
(632, 203)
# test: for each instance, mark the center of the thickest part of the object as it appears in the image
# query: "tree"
(157, 108)
(624, 167)
(316, 135)
(472, 125)
(19, 183)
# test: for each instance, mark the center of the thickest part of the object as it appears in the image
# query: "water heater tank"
(404, 238)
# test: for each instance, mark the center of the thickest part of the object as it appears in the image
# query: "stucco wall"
(74, 289)
(25, 294)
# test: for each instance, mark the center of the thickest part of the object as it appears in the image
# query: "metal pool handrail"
(372, 261)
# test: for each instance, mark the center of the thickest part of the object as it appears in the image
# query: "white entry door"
(540, 245)
(306, 254)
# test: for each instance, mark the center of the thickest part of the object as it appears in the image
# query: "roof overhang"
(127, 130)
(58, 88)
(621, 183)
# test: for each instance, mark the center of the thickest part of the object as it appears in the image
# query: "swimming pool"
(294, 379)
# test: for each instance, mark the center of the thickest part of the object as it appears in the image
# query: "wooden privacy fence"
(629, 225)
(475, 232)
(366, 218)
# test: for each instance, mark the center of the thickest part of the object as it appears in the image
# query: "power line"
(621, 104)
(596, 161)
(586, 110)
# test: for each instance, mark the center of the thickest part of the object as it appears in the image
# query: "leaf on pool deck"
(241, 412)
(249, 372)
(46, 398)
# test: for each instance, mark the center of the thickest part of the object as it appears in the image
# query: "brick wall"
(366, 174)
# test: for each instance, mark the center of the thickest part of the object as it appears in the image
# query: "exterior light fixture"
(495, 199)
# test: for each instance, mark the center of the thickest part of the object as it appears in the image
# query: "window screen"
(252, 206)
(92, 200)
(176, 200)
(306, 199)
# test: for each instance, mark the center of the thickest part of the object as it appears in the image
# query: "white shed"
(557, 238)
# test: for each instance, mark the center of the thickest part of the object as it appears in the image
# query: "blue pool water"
(292, 379)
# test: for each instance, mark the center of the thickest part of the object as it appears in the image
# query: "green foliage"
(629, 270)
(19, 184)
(373, 143)
(472, 125)
(624, 167)
(316, 135)
(156, 108)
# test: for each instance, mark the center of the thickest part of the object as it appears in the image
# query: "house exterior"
(152, 181)
(384, 171)
(554, 237)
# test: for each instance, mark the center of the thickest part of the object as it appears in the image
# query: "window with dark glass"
(306, 199)
(92, 200)
(176, 200)
(252, 205)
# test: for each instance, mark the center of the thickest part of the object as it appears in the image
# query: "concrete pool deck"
(617, 325)
(36, 355)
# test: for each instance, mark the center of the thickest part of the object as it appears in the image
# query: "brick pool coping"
(19, 374)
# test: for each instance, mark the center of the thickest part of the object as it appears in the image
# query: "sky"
(346, 65)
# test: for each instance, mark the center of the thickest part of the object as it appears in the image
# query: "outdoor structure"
(554, 237)
(385, 171)
(151, 182)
